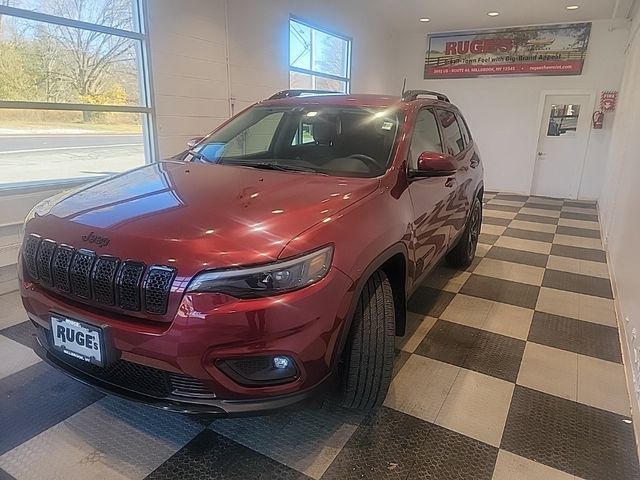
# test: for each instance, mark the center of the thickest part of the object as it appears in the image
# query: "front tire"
(370, 352)
(465, 250)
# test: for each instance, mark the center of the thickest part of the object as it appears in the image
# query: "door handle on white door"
(541, 154)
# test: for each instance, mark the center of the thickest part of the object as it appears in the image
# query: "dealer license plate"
(77, 339)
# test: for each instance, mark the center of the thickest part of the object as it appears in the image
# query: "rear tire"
(464, 252)
(370, 351)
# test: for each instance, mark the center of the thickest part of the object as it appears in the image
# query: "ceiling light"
(425, 19)
(493, 14)
(573, 7)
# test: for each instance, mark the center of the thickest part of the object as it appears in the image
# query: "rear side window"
(426, 137)
(466, 135)
(451, 132)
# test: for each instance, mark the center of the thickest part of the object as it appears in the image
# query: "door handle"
(451, 181)
(541, 154)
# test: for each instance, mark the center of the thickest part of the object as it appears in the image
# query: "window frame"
(413, 132)
(139, 33)
(304, 71)
(445, 141)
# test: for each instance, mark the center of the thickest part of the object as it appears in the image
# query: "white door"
(562, 145)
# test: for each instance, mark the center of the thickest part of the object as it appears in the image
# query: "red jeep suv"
(276, 254)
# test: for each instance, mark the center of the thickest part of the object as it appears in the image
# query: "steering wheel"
(370, 162)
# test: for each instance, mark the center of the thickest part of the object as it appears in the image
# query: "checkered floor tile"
(511, 369)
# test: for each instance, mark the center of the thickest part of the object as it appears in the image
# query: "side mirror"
(193, 142)
(434, 164)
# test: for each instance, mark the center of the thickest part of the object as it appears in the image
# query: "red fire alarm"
(608, 100)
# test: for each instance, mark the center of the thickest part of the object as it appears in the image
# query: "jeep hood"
(197, 216)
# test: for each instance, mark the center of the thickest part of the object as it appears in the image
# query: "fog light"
(281, 362)
(260, 371)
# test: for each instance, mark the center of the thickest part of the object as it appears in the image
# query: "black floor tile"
(580, 204)
(574, 282)
(518, 256)
(501, 208)
(473, 349)
(577, 336)
(529, 235)
(449, 342)
(212, 456)
(543, 206)
(536, 218)
(585, 441)
(5, 476)
(498, 290)
(512, 197)
(449, 455)
(488, 239)
(386, 445)
(400, 358)
(502, 222)
(35, 399)
(21, 332)
(578, 232)
(579, 253)
(579, 216)
(429, 301)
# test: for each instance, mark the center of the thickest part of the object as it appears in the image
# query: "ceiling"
(448, 15)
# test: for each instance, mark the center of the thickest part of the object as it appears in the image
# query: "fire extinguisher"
(598, 117)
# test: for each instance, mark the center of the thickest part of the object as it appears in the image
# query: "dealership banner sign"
(536, 50)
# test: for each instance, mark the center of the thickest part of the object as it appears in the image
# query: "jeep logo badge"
(98, 240)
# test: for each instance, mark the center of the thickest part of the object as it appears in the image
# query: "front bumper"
(174, 403)
(305, 325)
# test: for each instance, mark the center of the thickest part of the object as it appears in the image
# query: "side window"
(304, 134)
(426, 137)
(451, 132)
(255, 139)
(464, 129)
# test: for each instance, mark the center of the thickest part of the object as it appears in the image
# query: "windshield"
(341, 141)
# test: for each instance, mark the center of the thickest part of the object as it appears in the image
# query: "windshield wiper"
(273, 166)
(198, 155)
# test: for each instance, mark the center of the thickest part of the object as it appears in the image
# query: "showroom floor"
(511, 370)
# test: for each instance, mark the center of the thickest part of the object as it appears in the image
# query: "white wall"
(619, 210)
(189, 50)
(503, 111)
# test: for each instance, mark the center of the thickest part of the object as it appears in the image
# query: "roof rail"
(411, 95)
(298, 93)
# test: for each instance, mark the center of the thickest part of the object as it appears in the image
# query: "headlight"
(266, 280)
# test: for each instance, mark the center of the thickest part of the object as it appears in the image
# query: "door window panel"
(426, 137)
(563, 120)
(451, 132)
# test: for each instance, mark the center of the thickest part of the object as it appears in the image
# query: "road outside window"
(73, 96)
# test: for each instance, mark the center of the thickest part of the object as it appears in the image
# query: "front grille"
(141, 378)
(61, 262)
(29, 252)
(43, 259)
(80, 273)
(103, 279)
(184, 386)
(104, 274)
(157, 281)
(129, 285)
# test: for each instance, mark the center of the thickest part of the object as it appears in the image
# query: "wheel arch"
(394, 263)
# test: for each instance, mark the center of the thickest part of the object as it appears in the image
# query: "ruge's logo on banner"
(537, 50)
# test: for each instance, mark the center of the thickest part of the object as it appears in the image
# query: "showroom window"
(74, 91)
(318, 59)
